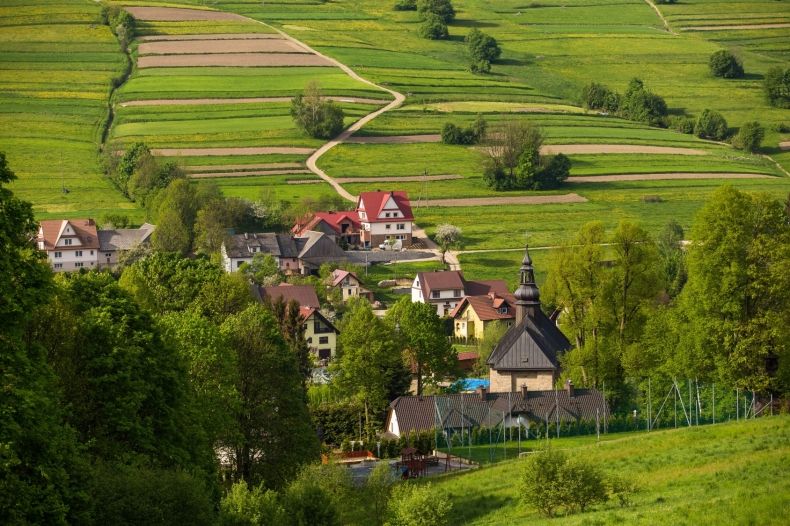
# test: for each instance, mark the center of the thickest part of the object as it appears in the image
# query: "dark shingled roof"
(303, 294)
(533, 344)
(418, 413)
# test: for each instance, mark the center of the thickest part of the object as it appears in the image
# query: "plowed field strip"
(177, 14)
(213, 36)
(250, 150)
(194, 47)
(232, 60)
(246, 100)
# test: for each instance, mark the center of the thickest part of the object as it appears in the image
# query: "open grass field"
(56, 62)
(732, 473)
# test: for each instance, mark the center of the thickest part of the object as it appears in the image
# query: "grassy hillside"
(734, 473)
(56, 62)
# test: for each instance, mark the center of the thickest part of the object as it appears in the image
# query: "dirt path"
(191, 47)
(231, 60)
(210, 36)
(660, 15)
(230, 167)
(742, 26)
(178, 14)
(664, 176)
(784, 145)
(403, 179)
(508, 200)
(245, 100)
(247, 150)
(212, 175)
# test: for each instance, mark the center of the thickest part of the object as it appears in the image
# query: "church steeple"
(527, 295)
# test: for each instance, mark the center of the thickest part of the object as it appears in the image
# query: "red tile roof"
(467, 355)
(487, 306)
(339, 275)
(373, 203)
(303, 294)
(52, 230)
(333, 219)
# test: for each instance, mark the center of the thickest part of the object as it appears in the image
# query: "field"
(733, 473)
(56, 63)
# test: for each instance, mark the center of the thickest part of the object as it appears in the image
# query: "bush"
(452, 134)
(681, 124)
(749, 137)
(483, 50)
(711, 125)
(777, 87)
(598, 97)
(441, 8)
(406, 5)
(245, 507)
(319, 118)
(412, 505)
(433, 28)
(725, 65)
(553, 173)
(642, 105)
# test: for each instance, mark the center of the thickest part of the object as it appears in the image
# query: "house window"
(457, 293)
(78, 264)
(350, 292)
(502, 310)
(387, 226)
(67, 241)
(108, 254)
(435, 294)
(401, 226)
(238, 264)
(387, 214)
(324, 354)
(323, 340)
(91, 252)
(58, 254)
(78, 253)
(394, 214)
(310, 339)
(58, 265)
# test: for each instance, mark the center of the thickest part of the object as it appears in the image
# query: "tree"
(263, 270)
(171, 234)
(275, 433)
(452, 134)
(317, 117)
(419, 505)
(493, 333)
(243, 506)
(483, 50)
(598, 97)
(213, 221)
(421, 334)
(129, 163)
(447, 236)
(40, 467)
(292, 327)
(724, 64)
(441, 8)
(672, 259)
(433, 28)
(510, 146)
(750, 136)
(378, 490)
(642, 105)
(175, 210)
(111, 220)
(368, 361)
(776, 84)
(711, 125)
(406, 5)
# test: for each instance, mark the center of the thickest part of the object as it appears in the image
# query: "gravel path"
(742, 26)
(245, 100)
(231, 60)
(509, 200)
(667, 176)
(206, 175)
(177, 14)
(190, 47)
(247, 150)
(229, 167)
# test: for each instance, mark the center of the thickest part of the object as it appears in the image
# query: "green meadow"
(730, 473)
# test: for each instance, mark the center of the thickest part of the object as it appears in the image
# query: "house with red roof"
(446, 289)
(385, 216)
(70, 244)
(474, 313)
(349, 284)
(342, 227)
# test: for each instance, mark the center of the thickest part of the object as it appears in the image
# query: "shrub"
(483, 50)
(553, 173)
(412, 505)
(777, 87)
(452, 134)
(642, 105)
(245, 507)
(749, 137)
(598, 97)
(433, 28)
(441, 8)
(681, 124)
(584, 483)
(319, 118)
(711, 125)
(406, 5)
(725, 65)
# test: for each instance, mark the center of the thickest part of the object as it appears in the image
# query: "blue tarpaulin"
(470, 384)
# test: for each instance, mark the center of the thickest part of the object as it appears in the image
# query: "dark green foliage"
(777, 87)
(681, 124)
(136, 495)
(318, 118)
(275, 432)
(711, 125)
(452, 134)
(552, 173)
(483, 50)
(405, 5)
(673, 261)
(129, 163)
(251, 507)
(337, 421)
(642, 105)
(749, 137)
(598, 97)
(441, 8)
(433, 28)
(724, 64)
(292, 328)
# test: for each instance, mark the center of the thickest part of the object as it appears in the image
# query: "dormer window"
(67, 241)
(387, 214)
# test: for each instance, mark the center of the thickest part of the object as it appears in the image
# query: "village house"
(342, 227)
(349, 285)
(528, 354)
(474, 313)
(113, 242)
(320, 333)
(70, 244)
(446, 289)
(457, 412)
(295, 255)
(385, 216)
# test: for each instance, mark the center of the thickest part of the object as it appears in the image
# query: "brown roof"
(487, 306)
(478, 288)
(454, 280)
(51, 230)
(419, 413)
(303, 294)
(339, 275)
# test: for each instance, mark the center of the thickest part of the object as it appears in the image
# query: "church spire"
(527, 295)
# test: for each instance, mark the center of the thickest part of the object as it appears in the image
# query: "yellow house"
(320, 334)
(475, 313)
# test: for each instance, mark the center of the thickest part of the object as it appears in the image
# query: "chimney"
(482, 391)
(569, 387)
(524, 390)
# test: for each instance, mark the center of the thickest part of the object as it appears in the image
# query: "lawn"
(732, 473)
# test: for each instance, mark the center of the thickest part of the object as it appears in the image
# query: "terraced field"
(56, 63)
